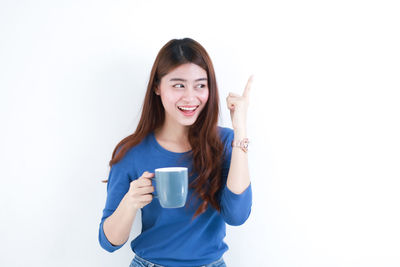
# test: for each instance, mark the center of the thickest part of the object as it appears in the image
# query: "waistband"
(147, 263)
(150, 264)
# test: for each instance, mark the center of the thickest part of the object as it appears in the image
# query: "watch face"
(246, 144)
(243, 144)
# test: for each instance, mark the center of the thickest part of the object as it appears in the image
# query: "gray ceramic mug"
(171, 185)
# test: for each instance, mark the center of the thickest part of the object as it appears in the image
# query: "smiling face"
(184, 93)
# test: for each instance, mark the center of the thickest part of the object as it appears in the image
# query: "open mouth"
(188, 110)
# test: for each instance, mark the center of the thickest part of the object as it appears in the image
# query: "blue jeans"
(139, 262)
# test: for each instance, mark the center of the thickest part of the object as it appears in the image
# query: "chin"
(188, 123)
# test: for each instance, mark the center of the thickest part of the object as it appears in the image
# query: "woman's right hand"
(139, 193)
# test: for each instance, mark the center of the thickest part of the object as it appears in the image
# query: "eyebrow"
(183, 80)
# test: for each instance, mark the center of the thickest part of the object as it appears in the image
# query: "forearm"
(118, 226)
(238, 176)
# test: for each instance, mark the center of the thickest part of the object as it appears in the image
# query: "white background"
(323, 123)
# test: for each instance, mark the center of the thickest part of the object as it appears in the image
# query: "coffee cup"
(171, 186)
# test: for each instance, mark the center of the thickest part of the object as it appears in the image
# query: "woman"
(178, 128)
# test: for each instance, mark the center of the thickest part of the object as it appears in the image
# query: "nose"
(189, 94)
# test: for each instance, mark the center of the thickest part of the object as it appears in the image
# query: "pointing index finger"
(248, 86)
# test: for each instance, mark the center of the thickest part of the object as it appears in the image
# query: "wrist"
(242, 144)
(240, 139)
(128, 204)
(239, 133)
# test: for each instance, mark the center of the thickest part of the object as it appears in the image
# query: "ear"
(157, 90)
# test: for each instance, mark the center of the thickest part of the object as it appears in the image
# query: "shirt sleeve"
(117, 186)
(235, 208)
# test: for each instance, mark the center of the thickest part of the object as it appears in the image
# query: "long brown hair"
(207, 148)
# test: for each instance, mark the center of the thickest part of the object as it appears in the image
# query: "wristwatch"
(243, 144)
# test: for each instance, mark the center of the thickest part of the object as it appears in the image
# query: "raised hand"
(238, 105)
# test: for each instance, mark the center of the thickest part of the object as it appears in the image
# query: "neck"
(173, 133)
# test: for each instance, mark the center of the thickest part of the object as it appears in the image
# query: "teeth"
(183, 108)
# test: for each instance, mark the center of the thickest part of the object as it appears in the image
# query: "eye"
(179, 85)
(201, 86)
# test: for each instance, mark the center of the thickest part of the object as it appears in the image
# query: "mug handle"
(154, 185)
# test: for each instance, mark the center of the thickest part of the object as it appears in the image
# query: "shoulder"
(129, 166)
(226, 135)
(135, 152)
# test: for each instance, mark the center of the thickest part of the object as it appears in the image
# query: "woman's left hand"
(238, 106)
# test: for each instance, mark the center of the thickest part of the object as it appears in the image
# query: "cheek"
(204, 97)
(169, 99)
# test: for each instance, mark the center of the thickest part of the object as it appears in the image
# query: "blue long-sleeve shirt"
(169, 236)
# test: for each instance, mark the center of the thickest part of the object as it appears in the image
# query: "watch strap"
(243, 144)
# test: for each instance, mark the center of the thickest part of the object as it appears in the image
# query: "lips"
(188, 110)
